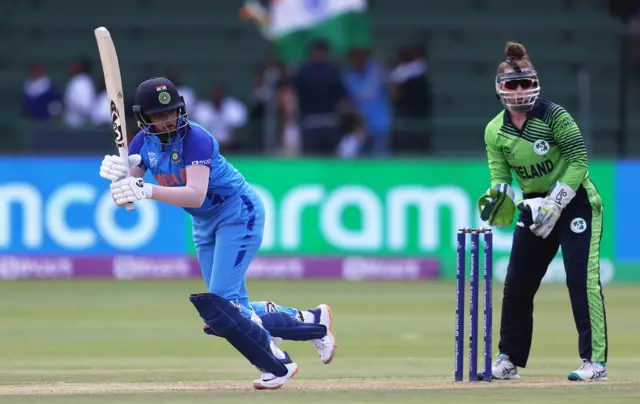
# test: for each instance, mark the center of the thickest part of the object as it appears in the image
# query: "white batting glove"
(130, 189)
(550, 209)
(113, 168)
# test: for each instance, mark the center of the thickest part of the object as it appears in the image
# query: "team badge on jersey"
(175, 157)
(578, 225)
(541, 147)
(164, 98)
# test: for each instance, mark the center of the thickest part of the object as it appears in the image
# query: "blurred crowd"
(350, 106)
(356, 108)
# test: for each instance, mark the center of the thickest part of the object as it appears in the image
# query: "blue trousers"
(226, 244)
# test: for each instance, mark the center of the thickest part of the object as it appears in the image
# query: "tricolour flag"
(294, 23)
(161, 88)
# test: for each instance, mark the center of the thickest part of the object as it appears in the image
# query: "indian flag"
(294, 23)
(161, 87)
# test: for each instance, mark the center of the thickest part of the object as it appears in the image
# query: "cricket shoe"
(326, 345)
(269, 381)
(589, 372)
(504, 369)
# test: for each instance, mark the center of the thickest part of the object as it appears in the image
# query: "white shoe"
(589, 372)
(504, 369)
(326, 345)
(269, 381)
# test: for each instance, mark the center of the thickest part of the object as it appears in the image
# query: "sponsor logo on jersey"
(201, 162)
(534, 170)
(508, 154)
(541, 147)
(578, 225)
(564, 122)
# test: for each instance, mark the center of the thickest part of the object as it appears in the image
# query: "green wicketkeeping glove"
(497, 206)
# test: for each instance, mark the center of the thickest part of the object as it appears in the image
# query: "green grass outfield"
(124, 342)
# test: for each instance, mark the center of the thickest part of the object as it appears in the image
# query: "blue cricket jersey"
(167, 164)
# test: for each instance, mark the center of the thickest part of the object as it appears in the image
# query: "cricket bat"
(113, 83)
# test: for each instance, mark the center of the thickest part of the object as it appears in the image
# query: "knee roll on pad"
(286, 327)
(247, 337)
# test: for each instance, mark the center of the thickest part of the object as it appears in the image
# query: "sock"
(276, 351)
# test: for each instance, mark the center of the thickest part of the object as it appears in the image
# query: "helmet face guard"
(518, 91)
(143, 119)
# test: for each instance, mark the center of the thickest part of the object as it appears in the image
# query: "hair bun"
(515, 51)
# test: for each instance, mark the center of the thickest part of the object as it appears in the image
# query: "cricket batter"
(541, 143)
(228, 222)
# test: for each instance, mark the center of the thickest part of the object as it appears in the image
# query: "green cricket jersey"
(548, 149)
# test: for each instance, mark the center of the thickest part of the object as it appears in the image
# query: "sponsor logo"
(286, 268)
(13, 267)
(202, 162)
(117, 127)
(358, 269)
(73, 217)
(131, 267)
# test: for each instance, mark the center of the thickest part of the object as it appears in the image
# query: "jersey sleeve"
(199, 148)
(569, 139)
(135, 148)
(499, 169)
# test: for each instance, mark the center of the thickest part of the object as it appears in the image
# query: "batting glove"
(550, 209)
(497, 206)
(113, 168)
(130, 189)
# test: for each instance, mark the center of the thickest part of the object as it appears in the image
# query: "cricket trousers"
(578, 233)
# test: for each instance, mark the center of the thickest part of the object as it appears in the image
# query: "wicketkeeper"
(540, 142)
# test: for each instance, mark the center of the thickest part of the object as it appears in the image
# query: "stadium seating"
(463, 38)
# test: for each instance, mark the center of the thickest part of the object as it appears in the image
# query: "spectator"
(412, 101)
(80, 94)
(101, 113)
(367, 89)
(290, 127)
(40, 100)
(352, 142)
(222, 115)
(260, 96)
(320, 91)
